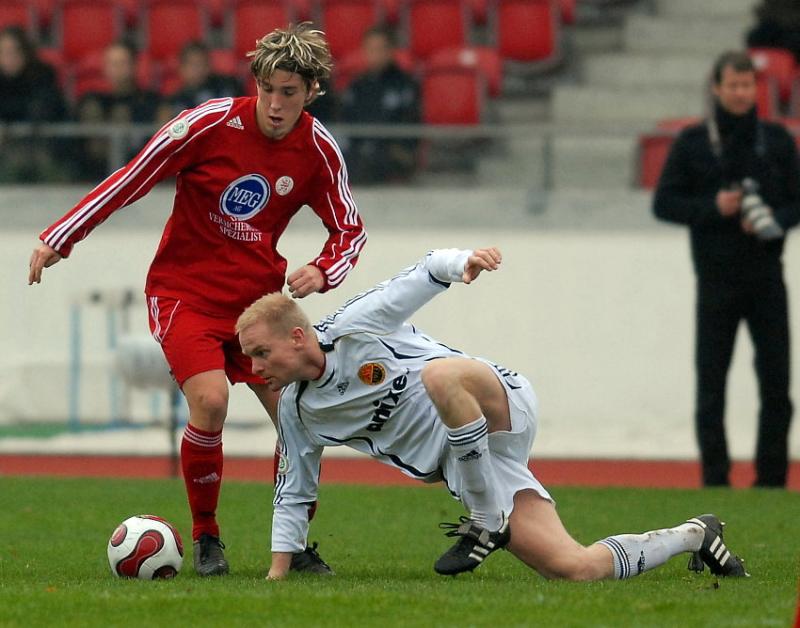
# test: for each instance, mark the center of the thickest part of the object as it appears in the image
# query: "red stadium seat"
(528, 30)
(87, 26)
(767, 101)
(436, 24)
(252, 19)
(19, 13)
(171, 24)
(776, 63)
(653, 152)
(485, 59)
(345, 22)
(453, 96)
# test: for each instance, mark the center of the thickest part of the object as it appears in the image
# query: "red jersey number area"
(194, 342)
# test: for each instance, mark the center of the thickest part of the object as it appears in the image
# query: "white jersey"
(370, 396)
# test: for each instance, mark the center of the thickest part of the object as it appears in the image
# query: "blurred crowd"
(380, 93)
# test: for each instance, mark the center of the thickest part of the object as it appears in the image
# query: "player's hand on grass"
(42, 257)
(480, 260)
(305, 280)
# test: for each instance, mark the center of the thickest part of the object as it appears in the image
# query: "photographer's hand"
(729, 202)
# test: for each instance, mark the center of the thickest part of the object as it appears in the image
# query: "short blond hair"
(279, 312)
(299, 49)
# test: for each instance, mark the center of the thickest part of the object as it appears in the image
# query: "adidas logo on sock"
(235, 123)
(473, 454)
(207, 479)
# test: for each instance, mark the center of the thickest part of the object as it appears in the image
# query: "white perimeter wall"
(600, 322)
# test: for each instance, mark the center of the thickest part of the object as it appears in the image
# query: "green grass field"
(382, 541)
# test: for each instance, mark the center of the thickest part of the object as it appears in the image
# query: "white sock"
(469, 446)
(636, 553)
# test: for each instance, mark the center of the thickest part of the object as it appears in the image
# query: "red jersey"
(236, 191)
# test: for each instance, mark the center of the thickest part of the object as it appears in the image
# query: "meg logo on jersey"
(245, 197)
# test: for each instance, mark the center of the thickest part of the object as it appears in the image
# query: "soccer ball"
(146, 547)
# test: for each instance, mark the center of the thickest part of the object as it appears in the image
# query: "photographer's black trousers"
(722, 302)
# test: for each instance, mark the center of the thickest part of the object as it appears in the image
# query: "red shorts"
(194, 342)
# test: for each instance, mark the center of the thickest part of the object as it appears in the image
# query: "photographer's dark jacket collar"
(737, 141)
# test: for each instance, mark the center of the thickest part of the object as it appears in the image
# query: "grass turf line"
(382, 541)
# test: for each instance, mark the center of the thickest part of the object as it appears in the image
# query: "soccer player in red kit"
(244, 167)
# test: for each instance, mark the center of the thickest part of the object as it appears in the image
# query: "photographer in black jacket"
(734, 180)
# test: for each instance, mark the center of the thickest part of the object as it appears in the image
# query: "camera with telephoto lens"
(758, 213)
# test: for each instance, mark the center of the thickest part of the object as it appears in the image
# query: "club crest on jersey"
(284, 185)
(178, 129)
(245, 197)
(372, 373)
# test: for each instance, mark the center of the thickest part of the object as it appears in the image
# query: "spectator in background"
(29, 92)
(123, 102)
(198, 82)
(778, 26)
(737, 238)
(384, 94)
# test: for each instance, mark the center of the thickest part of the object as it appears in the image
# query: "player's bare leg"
(308, 560)
(201, 462)
(539, 539)
(471, 403)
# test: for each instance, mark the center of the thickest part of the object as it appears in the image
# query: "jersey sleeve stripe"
(154, 148)
(338, 271)
(343, 180)
(340, 177)
(350, 252)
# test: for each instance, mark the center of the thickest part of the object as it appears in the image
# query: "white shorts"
(509, 450)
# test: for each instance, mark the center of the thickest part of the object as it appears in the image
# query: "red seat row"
(522, 30)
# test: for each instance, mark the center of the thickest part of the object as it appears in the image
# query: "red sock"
(201, 461)
(276, 459)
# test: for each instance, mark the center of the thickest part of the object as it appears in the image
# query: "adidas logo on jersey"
(235, 123)
(342, 388)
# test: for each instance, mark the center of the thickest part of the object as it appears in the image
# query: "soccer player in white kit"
(366, 378)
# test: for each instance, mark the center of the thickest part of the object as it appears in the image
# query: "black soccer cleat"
(713, 551)
(209, 559)
(475, 544)
(309, 561)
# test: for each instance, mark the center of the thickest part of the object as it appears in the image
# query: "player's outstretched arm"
(488, 259)
(42, 257)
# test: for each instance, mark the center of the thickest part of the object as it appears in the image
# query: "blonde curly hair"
(299, 49)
